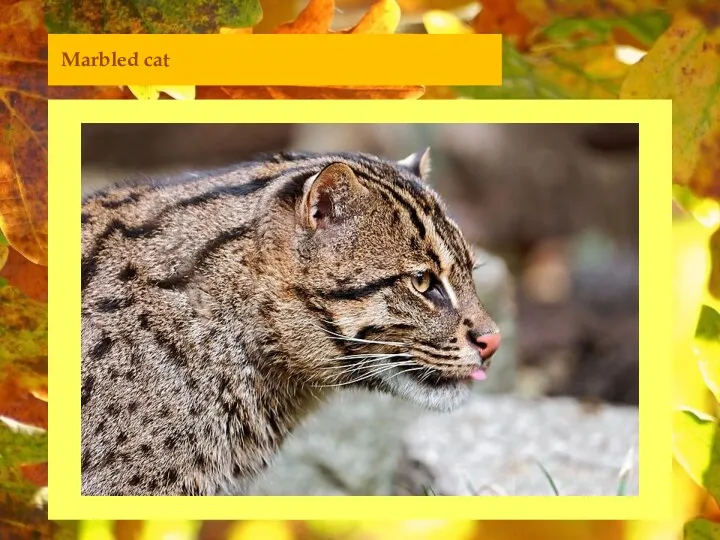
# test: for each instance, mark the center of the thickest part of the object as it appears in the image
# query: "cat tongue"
(478, 375)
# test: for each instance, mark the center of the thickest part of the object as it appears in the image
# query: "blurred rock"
(349, 447)
(494, 287)
(492, 446)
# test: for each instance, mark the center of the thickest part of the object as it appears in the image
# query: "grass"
(623, 477)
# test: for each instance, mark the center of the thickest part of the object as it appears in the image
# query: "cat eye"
(422, 281)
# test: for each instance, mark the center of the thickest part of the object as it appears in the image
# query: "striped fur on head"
(217, 307)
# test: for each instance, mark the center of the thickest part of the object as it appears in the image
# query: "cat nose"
(487, 344)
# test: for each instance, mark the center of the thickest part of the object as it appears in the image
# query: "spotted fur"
(219, 308)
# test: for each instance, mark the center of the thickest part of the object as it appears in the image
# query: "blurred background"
(553, 213)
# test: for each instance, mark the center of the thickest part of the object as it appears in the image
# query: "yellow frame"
(654, 499)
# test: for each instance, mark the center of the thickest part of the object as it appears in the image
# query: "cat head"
(386, 278)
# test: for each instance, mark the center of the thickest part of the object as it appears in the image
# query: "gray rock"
(492, 446)
(494, 286)
(351, 446)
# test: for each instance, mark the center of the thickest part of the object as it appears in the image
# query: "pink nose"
(486, 343)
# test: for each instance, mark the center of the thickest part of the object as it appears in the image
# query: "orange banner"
(290, 60)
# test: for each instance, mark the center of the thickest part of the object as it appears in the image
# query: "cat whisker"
(406, 371)
(377, 371)
(359, 340)
(366, 367)
(364, 364)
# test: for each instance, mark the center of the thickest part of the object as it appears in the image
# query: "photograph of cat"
(222, 308)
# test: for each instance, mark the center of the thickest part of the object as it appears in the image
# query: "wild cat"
(216, 309)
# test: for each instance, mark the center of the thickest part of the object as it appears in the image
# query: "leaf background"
(558, 49)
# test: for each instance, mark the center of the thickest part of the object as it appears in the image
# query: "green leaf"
(23, 336)
(555, 71)
(701, 529)
(645, 27)
(683, 66)
(520, 81)
(18, 513)
(3, 240)
(696, 446)
(149, 16)
(707, 337)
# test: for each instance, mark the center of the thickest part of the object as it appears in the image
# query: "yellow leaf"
(418, 6)
(175, 530)
(145, 92)
(383, 17)
(695, 439)
(179, 92)
(153, 92)
(415, 530)
(267, 530)
(442, 22)
(691, 264)
(684, 65)
(314, 19)
(705, 179)
(225, 30)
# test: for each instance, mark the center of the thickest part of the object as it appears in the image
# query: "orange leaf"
(225, 30)
(27, 276)
(503, 17)
(23, 126)
(23, 117)
(246, 92)
(314, 19)
(324, 92)
(383, 17)
(37, 473)
(18, 403)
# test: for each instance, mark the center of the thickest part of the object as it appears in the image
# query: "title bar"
(274, 59)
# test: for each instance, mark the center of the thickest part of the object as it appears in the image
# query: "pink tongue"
(478, 375)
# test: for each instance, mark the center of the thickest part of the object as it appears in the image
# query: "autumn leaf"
(314, 19)
(323, 92)
(23, 417)
(20, 446)
(27, 276)
(23, 126)
(23, 355)
(696, 445)
(684, 65)
(23, 131)
(382, 17)
(153, 92)
(149, 16)
(545, 12)
(409, 6)
(701, 529)
(503, 17)
(707, 349)
(640, 31)
(550, 72)
(4, 252)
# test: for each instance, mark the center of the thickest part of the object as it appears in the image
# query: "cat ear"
(418, 163)
(328, 196)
